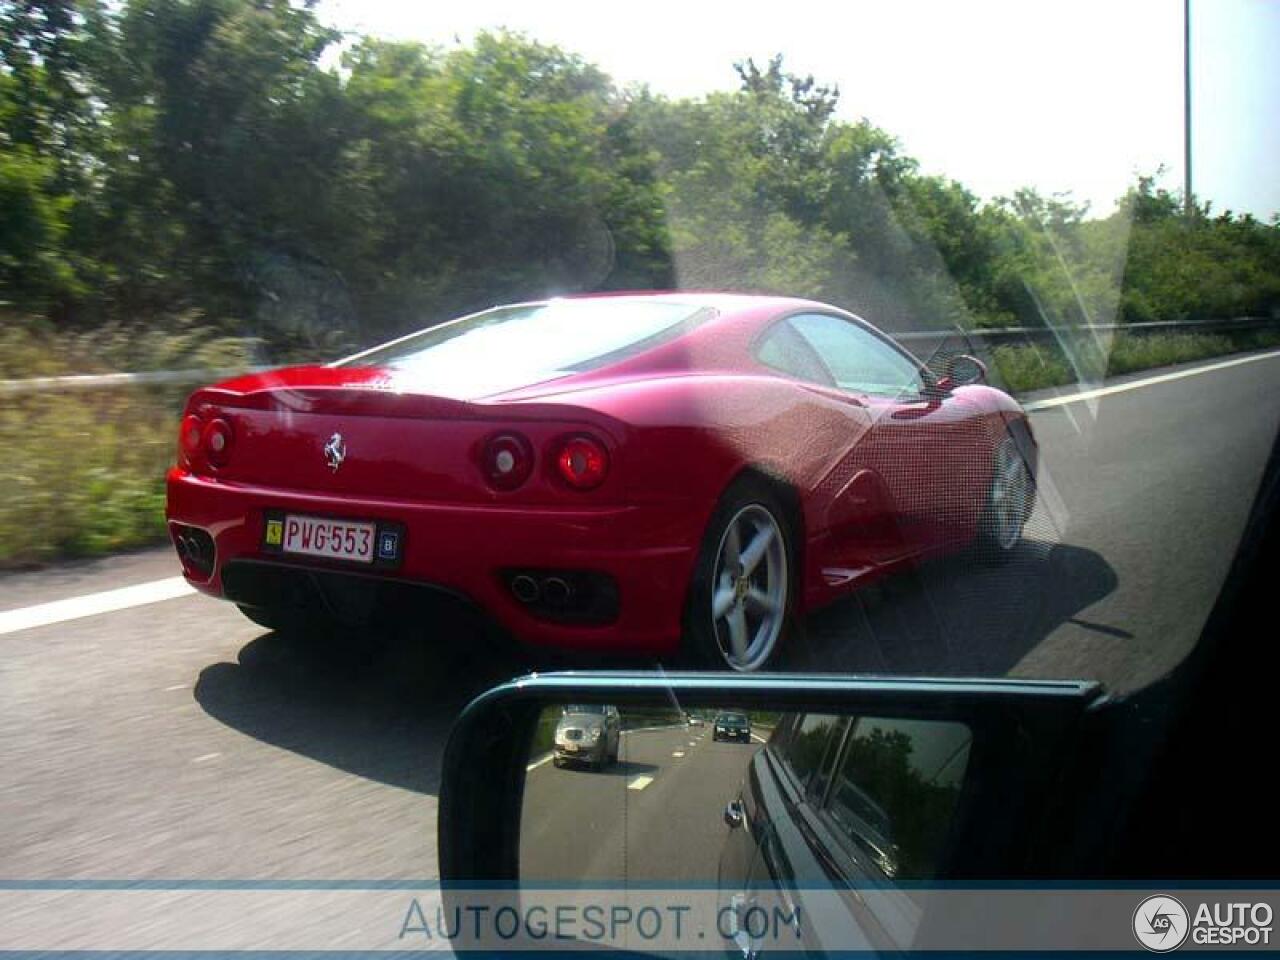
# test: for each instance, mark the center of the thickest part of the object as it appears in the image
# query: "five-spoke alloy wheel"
(1009, 501)
(750, 597)
(741, 597)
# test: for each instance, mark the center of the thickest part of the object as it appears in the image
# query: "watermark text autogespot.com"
(137, 917)
(484, 924)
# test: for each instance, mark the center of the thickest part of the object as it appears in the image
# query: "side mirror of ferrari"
(962, 370)
(890, 782)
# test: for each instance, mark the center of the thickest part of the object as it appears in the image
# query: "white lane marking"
(757, 738)
(1145, 382)
(537, 763)
(176, 686)
(92, 604)
(639, 781)
(206, 756)
(678, 753)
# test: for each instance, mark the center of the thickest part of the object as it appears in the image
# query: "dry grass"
(83, 473)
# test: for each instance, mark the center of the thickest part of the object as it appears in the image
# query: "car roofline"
(725, 303)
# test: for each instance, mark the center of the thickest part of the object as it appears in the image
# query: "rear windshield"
(534, 342)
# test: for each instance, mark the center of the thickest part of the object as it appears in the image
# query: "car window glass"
(807, 751)
(895, 792)
(858, 360)
(537, 340)
(784, 349)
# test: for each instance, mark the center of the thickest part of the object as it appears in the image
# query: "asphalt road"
(655, 816)
(176, 740)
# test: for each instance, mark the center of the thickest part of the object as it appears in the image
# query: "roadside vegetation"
(83, 472)
(1025, 367)
(204, 184)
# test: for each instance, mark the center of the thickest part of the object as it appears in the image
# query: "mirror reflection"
(736, 797)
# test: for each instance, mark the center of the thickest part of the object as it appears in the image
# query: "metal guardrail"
(1032, 333)
(106, 381)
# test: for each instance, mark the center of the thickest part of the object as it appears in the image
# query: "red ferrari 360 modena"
(678, 475)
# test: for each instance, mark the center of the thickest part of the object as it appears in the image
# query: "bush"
(1130, 353)
(30, 348)
(83, 473)
(1030, 367)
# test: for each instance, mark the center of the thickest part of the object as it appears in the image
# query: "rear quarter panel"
(685, 438)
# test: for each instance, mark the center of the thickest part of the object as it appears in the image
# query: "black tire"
(1000, 526)
(701, 645)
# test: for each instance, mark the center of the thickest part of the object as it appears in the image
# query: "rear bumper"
(464, 550)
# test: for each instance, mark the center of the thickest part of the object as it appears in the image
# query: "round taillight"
(582, 462)
(216, 442)
(189, 437)
(507, 461)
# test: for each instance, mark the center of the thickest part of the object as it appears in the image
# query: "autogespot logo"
(1160, 923)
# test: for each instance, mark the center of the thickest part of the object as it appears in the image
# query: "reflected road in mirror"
(657, 814)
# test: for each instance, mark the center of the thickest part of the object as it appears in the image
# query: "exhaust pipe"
(556, 591)
(524, 588)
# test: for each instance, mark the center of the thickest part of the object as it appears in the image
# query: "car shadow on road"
(387, 717)
(958, 616)
(621, 768)
(384, 717)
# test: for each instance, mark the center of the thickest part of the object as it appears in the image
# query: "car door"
(917, 446)
(770, 867)
(854, 528)
(883, 820)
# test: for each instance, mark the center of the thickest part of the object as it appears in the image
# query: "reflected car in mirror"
(732, 726)
(587, 734)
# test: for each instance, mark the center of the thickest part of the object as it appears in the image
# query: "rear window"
(534, 342)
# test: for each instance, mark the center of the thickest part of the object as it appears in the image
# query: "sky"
(1076, 97)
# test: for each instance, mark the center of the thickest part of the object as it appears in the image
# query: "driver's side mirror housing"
(1023, 733)
(960, 370)
(913, 782)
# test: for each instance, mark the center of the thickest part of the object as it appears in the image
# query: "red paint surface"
(880, 483)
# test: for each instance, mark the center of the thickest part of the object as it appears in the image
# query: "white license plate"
(321, 537)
